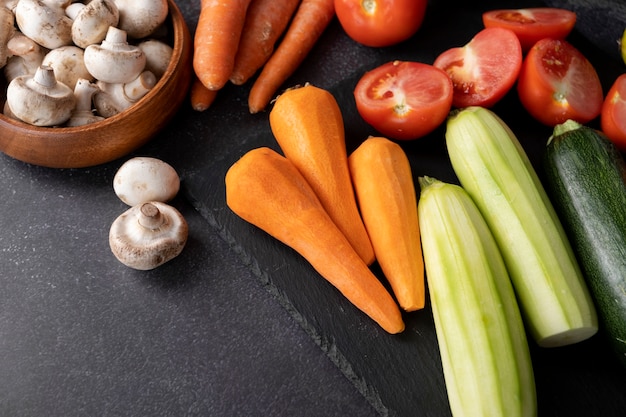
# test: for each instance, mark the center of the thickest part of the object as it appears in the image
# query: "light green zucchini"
(493, 168)
(484, 350)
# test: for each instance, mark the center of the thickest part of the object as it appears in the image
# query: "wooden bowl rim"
(179, 59)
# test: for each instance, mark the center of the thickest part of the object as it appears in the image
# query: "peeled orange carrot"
(308, 126)
(383, 182)
(265, 189)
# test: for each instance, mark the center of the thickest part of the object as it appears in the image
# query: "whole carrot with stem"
(266, 21)
(218, 31)
(307, 26)
(265, 189)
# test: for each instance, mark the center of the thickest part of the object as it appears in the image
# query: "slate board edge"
(329, 348)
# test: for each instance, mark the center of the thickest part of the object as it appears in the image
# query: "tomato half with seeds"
(557, 82)
(484, 69)
(613, 114)
(379, 23)
(404, 100)
(532, 24)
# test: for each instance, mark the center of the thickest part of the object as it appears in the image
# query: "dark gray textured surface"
(238, 324)
(82, 335)
(601, 21)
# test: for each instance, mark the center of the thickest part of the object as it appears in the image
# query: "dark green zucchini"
(585, 178)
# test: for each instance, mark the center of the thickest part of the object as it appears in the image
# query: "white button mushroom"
(6, 111)
(39, 99)
(142, 179)
(45, 22)
(115, 98)
(92, 21)
(158, 56)
(115, 60)
(139, 18)
(68, 64)
(7, 28)
(148, 235)
(26, 56)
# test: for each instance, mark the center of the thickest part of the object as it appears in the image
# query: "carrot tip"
(200, 107)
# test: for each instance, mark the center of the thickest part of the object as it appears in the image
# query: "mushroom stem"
(73, 10)
(114, 98)
(150, 217)
(115, 38)
(83, 112)
(84, 92)
(44, 76)
(139, 87)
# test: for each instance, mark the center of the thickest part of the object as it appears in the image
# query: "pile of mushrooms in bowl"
(75, 69)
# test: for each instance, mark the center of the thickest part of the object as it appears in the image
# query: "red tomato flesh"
(532, 24)
(379, 23)
(613, 115)
(483, 70)
(404, 100)
(557, 82)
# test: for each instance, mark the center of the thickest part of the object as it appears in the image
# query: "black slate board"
(400, 375)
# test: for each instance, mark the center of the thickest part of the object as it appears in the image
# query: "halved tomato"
(404, 100)
(532, 24)
(483, 70)
(613, 114)
(557, 82)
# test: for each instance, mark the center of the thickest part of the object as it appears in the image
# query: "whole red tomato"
(379, 23)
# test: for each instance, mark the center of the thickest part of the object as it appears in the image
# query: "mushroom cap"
(114, 60)
(39, 99)
(148, 246)
(140, 18)
(92, 22)
(46, 25)
(68, 64)
(158, 56)
(142, 179)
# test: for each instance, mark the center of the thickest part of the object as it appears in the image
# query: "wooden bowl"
(116, 136)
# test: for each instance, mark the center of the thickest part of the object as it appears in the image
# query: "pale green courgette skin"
(585, 177)
(481, 336)
(495, 171)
